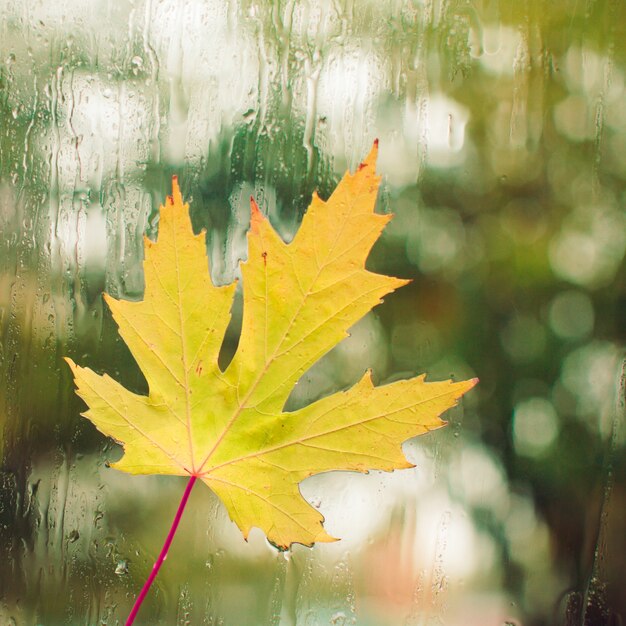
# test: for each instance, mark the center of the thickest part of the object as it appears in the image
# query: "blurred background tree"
(503, 149)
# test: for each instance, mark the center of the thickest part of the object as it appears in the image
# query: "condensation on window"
(502, 132)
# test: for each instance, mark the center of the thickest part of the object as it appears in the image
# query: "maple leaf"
(228, 428)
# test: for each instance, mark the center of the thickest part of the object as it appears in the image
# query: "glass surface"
(502, 130)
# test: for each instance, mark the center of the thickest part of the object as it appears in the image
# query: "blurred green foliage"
(503, 151)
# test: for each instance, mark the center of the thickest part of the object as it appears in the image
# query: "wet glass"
(502, 131)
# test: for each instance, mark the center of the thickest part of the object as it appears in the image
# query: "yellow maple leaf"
(228, 428)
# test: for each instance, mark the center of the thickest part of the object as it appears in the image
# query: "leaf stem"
(163, 555)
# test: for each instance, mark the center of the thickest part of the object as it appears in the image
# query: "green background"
(502, 130)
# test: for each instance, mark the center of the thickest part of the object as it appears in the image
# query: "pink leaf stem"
(163, 554)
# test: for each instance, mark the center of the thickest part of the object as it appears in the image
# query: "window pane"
(502, 131)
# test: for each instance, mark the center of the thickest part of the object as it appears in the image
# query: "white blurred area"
(176, 97)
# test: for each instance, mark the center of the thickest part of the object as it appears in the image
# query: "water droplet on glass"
(338, 618)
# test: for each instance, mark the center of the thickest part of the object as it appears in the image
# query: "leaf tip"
(256, 217)
(402, 282)
(370, 159)
(469, 384)
(321, 537)
(326, 538)
(176, 197)
(463, 386)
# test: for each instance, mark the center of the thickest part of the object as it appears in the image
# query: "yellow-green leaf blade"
(301, 298)
(229, 428)
(360, 430)
(176, 331)
(254, 497)
(146, 428)
(364, 427)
